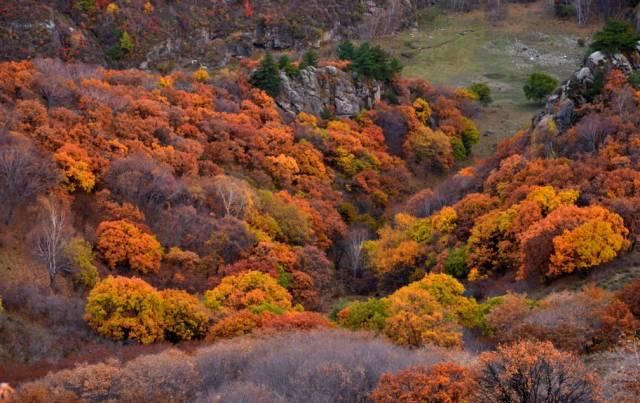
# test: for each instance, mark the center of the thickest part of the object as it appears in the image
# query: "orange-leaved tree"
(124, 308)
(517, 372)
(251, 290)
(442, 383)
(122, 242)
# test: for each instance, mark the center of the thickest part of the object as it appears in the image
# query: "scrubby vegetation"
(179, 236)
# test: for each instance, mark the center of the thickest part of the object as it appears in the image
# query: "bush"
(514, 373)
(442, 383)
(365, 315)
(311, 366)
(456, 263)
(201, 75)
(126, 42)
(125, 309)
(81, 256)
(634, 79)
(539, 86)
(346, 50)
(482, 91)
(184, 317)
(122, 242)
(616, 36)
(310, 59)
(370, 62)
(251, 290)
(285, 64)
(267, 76)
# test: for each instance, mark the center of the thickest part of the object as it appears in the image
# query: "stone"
(317, 90)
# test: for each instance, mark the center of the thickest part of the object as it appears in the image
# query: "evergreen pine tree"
(267, 76)
(309, 59)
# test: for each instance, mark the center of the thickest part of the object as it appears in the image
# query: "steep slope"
(163, 34)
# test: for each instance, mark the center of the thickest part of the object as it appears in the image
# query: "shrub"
(365, 315)
(482, 91)
(539, 86)
(184, 317)
(431, 311)
(122, 242)
(81, 256)
(309, 59)
(126, 42)
(201, 75)
(630, 295)
(346, 50)
(235, 325)
(456, 263)
(634, 79)
(251, 290)
(76, 168)
(442, 383)
(126, 309)
(285, 64)
(370, 62)
(514, 373)
(616, 36)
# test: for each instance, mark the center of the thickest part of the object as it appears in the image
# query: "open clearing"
(460, 49)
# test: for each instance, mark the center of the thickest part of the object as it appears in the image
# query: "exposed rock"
(599, 61)
(318, 90)
(564, 115)
(177, 32)
(584, 74)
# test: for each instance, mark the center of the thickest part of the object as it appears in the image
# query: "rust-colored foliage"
(121, 242)
(442, 383)
(516, 372)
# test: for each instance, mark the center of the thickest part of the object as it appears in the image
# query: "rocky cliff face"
(165, 33)
(561, 106)
(326, 89)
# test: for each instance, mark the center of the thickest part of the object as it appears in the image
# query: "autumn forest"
(301, 221)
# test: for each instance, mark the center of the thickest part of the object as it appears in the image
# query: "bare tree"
(592, 132)
(583, 10)
(51, 237)
(233, 194)
(354, 246)
(23, 175)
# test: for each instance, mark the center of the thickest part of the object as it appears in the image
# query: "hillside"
(165, 34)
(296, 226)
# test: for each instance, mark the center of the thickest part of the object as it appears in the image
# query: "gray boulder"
(321, 89)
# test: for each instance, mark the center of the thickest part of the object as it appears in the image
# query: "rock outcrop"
(576, 91)
(326, 90)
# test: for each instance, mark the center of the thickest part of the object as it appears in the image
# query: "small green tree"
(346, 50)
(310, 59)
(285, 64)
(539, 86)
(482, 91)
(456, 263)
(267, 76)
(616, 36)
(372, 62)
(81, 257)
(126, 42)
